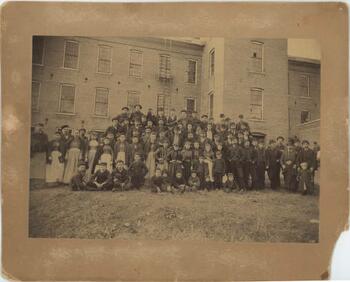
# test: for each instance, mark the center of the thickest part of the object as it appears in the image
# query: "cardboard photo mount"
(72, 259)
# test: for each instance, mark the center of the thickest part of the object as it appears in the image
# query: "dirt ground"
(260, 216)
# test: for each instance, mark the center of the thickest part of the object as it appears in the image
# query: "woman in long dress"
(150, 151)
(55, 162)
(93, 144)
(72, 157)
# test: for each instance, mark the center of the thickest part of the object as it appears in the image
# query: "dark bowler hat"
(241, 116)
(80, 163)
(290, 142)
(115, 118)
(103, 164)
(272, 141)
(280, 137)
(64, 126)
(183, 111)
(204, 116)
(305, 142)
(222, 115)
(125, 108)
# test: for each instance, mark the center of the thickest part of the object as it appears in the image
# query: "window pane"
(191, 72)
(67, 106)
(133, 98)
(256, 50)
(105, 53)
(67, 99)
(35, 95)
(38, 50)
(101, 95)
(101, 109)
(104, 66)
(71, 55)
(255, 112)
(256, 65)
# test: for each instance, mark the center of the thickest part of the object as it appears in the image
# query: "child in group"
(137, 172)
(230, 185)
(157, 182)
(207, 184)
(161, 165)
(55, 162)
(166, 181)
(187, 156)
(202, 170)
(120, 177)
(136, 148)
(101, 180)
(162, 154)
(194, 182)
(219, 169)
(305, 179)
(260, 165)
(196, 154)
(78, 181)
(179, 184)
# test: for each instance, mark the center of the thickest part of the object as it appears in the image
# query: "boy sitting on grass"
(137, 172)
(194, 182)
(157, 182)
(120, 177)
(179, 184)
(230, 184)
(78, 181)
(101, 180)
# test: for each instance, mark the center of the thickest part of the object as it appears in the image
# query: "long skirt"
(54, 171)
(151, 164)
(72, 164)
(209, 164)
(38, 166)
(91, 158)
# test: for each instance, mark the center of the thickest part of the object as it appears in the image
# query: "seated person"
(78, 181)
(101, 180)
(194, 182)
(157, 182)
(120, 177)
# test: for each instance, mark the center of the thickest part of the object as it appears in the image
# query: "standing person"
(260, 165)
(219, 169)
(204, 122)
(150, 150)
(122, 150)
(136, 148)
(55, 161)
(38, 152)
(136, 115)
(242, 124)
(288, 162)
(66, 138)
(84, 144)
(162, 154)
(125, 115)
(175, 161)
(187, 156)
(137, 172)
(246, 164)
(92, 149)
(72, 157)
(208, 155)
(107, 157)
(305, 179)
(307, 156)
(280, 146)
(172, 119)
(196, 155)
(273, 157)
(114, 128)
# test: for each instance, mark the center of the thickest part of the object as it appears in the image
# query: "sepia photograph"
(175, 138)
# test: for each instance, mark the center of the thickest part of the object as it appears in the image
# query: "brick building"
(84, 81)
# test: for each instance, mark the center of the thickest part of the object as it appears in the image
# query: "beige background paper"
(64, 259)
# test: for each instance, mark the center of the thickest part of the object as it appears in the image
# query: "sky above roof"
(304, 48)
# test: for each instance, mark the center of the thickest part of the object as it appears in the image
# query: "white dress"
(54, 171)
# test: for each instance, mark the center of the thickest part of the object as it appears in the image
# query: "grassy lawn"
(253, 216)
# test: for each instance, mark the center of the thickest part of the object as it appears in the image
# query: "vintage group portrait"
(173, 141)
(175, 138)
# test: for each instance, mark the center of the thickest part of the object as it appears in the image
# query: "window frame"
(43, 54)
(60, 99)
(309, 115)
(212, 62)
(127, 97)
(98, 59)
(188, 71)
(64, 54)
(307, 76)
(210, 111)
(160, 63)
(141, 65)
(262, 44)
(108, 93)
(262, 103)
(195, 102)
(38, 107)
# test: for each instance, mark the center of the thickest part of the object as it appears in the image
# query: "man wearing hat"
(183, 118)
(78, 181)
(172, 119)
(136, 115)
(101, 180)
(307, 156)
(124, 115)
(114, 128)
(273, 158)
(66, 137)
(288, 162)
(204, 122)
(242, 124)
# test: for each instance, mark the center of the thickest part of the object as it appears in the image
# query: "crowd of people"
(170, 153)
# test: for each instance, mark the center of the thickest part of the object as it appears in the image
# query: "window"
(190, 104)
(305, 85)
(211, 104)
(35, 95)
(135, 68)
(38, 50)
(71, 54)
(192, 71)
(67, 99)
(104, 64)
(133, 98)
(256, 103)
(165, 67)
(163, 103)
(101, 102)
(257, 56)
(305, 116)
(211, 62)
